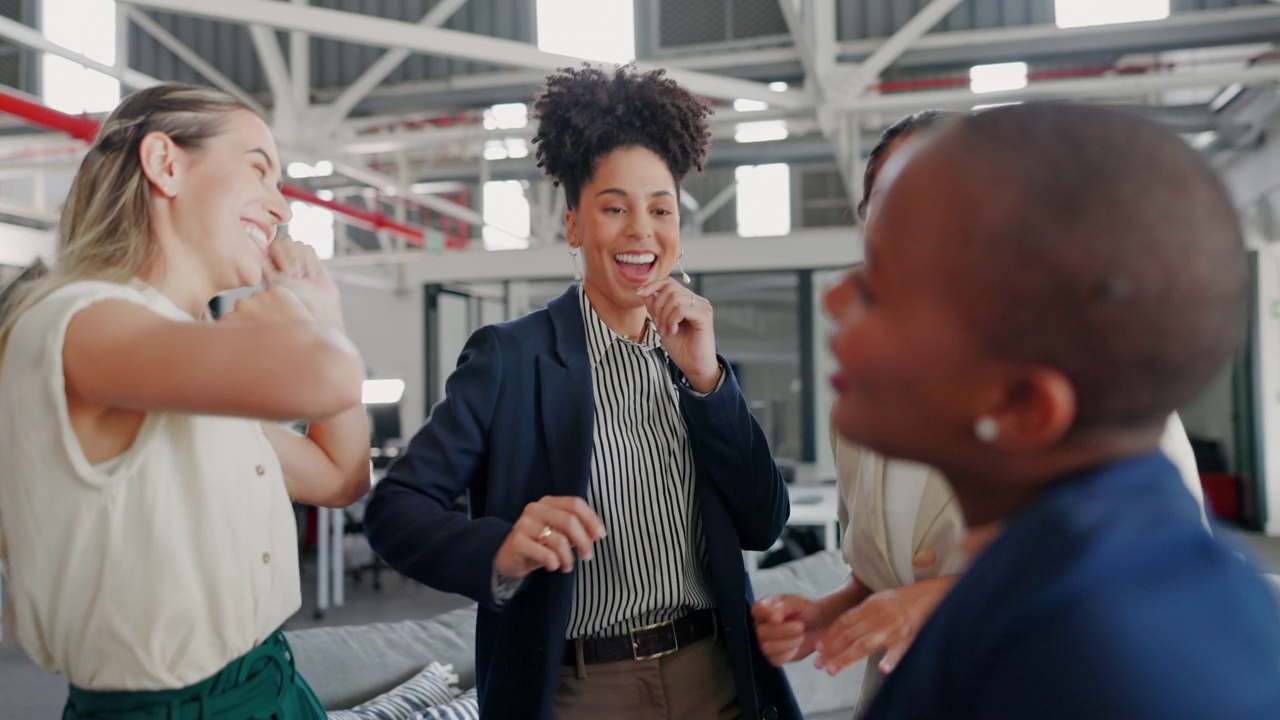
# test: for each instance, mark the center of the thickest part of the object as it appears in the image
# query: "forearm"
(929, 593)
(425, 540)
(344, 439)
(731, 449)
(843, 599)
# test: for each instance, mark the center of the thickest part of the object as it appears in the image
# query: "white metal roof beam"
(384, 66)
(820, 30)
(795, 26)
(272, 59)
(184, 52)
(1182, 30)
(383, 32)
(433, 202)
(890, 50)
(300, 68)
(712, 207)
(1205, 28)
(20, 34)
(1084, 88)
(803, 249)
(722, 125)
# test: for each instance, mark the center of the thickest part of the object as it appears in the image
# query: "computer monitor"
(384, 424)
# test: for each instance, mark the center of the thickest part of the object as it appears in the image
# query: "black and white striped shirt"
(651, 565)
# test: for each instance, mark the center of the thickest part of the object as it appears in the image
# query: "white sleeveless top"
(152, 573)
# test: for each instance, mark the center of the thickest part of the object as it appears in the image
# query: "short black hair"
(904, 128)
(1102, 245)
(586, 113)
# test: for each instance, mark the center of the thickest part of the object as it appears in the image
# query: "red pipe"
(82, 127)
(940, 83)
(359, 217)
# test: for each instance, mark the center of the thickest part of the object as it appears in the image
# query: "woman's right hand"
(547, 535)
(296, 266)
(787, 627)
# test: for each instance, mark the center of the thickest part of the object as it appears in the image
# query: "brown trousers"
(694, 683)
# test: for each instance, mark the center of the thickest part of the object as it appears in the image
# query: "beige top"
(938, 524)
(153, 574)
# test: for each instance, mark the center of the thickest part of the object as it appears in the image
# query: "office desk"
(812, 505)
(815, 506)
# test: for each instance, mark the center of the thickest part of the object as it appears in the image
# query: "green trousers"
(262, 685)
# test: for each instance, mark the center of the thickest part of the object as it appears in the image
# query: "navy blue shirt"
(1105, 598)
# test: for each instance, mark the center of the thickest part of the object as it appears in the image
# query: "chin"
(849, 424)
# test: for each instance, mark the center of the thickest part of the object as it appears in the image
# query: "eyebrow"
(624, 193)
(271, 164)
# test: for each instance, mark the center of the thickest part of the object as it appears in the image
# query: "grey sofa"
(348, 665)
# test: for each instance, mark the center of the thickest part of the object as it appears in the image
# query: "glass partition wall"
(765, 328)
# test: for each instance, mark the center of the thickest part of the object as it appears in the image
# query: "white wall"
(824, 367)
(387, 327)
(1267, 387)
(20, 246)
(1254, 181)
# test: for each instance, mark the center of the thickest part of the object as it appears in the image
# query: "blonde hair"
(105, 229)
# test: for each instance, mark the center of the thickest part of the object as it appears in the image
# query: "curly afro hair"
(586, 113)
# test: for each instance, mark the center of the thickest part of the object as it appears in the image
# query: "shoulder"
(85, 292)
(522, 337)
(1109, 571)
(1193, 638)
(531, 327)
(856, 464)
(1182, 624)
(49, 316)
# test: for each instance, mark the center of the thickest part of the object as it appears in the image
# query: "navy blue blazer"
(515, 425)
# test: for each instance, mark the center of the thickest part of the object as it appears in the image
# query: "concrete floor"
(28, 693)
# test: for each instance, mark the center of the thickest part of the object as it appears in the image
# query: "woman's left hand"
(684, 321)
(888, 619)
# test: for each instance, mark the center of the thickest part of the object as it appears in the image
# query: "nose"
(641, 225)
(278, 206)
(838, 297)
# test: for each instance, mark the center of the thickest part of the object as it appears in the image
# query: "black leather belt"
(646, 643)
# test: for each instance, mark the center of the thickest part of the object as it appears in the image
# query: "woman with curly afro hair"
(615, 473)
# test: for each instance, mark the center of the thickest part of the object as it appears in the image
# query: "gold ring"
(545, 535)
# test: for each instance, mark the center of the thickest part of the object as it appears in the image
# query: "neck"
(178, 281)
(991, 493)
(629, 322)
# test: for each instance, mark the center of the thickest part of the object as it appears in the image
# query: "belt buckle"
(635, 645)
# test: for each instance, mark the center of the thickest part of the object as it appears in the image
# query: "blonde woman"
(145, 504)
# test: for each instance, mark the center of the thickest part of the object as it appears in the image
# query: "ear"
(1037, 411)
(571, 229)
(159, 156)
